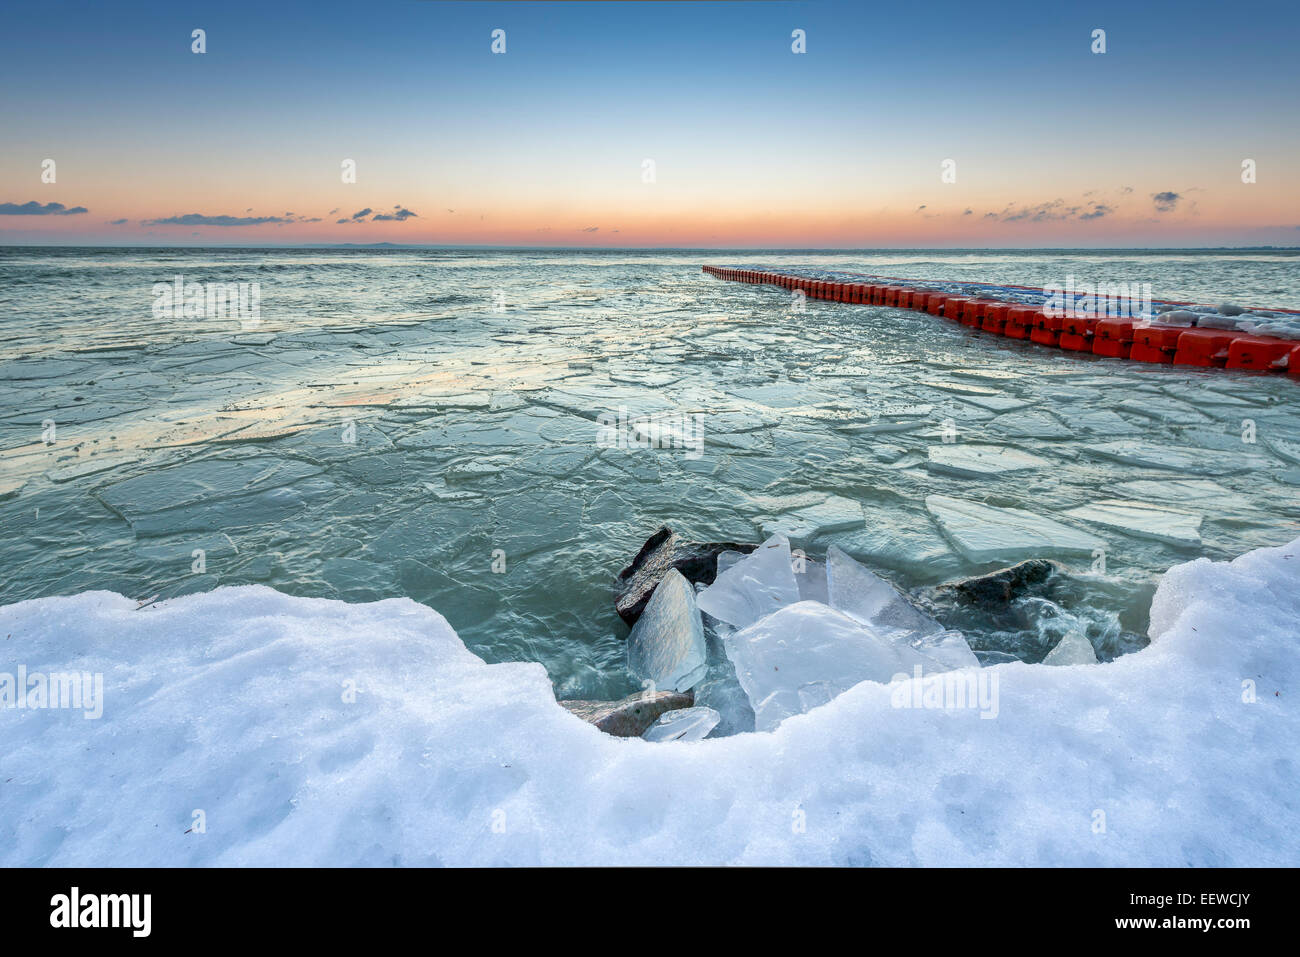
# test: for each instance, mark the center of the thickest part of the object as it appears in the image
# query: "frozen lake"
(433, 424)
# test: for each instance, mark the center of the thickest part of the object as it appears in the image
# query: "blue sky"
(752, 144)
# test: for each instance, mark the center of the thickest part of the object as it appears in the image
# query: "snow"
(233, 702)
(985, 533)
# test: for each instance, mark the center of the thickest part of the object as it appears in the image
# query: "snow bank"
(233, 702)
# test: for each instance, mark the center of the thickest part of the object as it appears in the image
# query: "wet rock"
(1002, 586)
(663, 551)
(632, 716)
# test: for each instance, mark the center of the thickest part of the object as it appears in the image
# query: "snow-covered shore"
(238, 704)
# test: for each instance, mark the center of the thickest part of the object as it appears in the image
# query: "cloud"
(1166, 201)
(201, 219)
(401, 215)
(36, 209)
(116, 222)
(967, 211)
(1053, 211)
(590, 229)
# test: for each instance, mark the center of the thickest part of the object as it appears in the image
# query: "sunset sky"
(751, 143)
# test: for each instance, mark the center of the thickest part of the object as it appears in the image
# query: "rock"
(664, 550)
(632, 716)
(666, 646)
(1001, 587)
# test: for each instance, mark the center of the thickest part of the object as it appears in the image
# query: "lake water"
(434, 424)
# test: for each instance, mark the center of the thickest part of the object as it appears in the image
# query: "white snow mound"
(232, 703)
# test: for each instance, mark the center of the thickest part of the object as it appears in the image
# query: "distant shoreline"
(1037, 250)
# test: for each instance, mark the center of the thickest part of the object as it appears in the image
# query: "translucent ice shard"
(756, 586)
(806, 654)
(854, 589)
(1073, 649)
(810, 576)
(684, 724)
(984, 533)
(666, 646)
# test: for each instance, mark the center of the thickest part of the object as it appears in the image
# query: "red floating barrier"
(995, 317)
(1263, 353)
(1077, 333)
(953, 306)
(972, 312)
(1293, 363)
(1020, 322)
(935, 303)
(891, 295)
(920, 299)
(904, 300)
(1155, 343)
(859, 294)
(1204, 347)
(1113, 338)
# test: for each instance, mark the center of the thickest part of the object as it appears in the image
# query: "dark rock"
(665, 549)
(1003, 586)
(630, 717)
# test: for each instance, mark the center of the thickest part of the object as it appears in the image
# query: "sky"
(651, 124)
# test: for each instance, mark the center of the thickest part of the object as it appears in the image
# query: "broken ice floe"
(1143, 520)
(985, 533)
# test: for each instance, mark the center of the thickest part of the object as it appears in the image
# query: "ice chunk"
(666, 646)
(984, 533)
(1143, 520)
(978, 461)
(854, 589)
(1183, 490)
(756, 586)
(801, 526)
(810, 576)
(806, 654)
(728, 558)
(1073, 649)
(684, 724)
(1193, 460)
(722, 692)
(949, 648)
